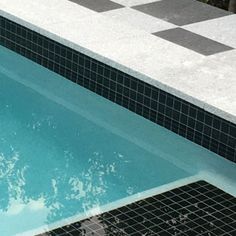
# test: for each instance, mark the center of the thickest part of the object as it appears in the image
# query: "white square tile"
(145, 54)
(139, 20)
(93, 29)
(130, 3)
(221, 29)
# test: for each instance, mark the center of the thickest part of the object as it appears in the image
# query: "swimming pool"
(67, 152)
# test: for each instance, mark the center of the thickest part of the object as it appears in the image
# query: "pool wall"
(163, 108)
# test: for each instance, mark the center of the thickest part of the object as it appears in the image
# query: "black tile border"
(169, 111)
(191, 210)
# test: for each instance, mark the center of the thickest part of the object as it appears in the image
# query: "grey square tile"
(98, 5)
(192, 41)
(181, 12)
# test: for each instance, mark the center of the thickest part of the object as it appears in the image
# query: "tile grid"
(175, 114)
(194, 209)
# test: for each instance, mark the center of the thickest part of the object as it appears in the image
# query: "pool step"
(198, 208)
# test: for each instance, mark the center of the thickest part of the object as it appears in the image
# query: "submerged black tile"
(170, 213)
(193, 42)
(98, 5)
(181, 12)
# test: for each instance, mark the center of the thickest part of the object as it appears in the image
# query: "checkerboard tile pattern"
(194, 209)
(217, 29)
(172, 20)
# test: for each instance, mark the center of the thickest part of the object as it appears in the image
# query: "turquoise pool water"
(65, 150)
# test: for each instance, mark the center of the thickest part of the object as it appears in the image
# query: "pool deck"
(183, 47)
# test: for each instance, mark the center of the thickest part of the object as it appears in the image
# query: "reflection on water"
(55, 164)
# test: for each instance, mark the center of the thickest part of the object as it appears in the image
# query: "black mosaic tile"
(98, 5)
(181, 12)
(171, 112)
(189, 210)
(193, 41)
